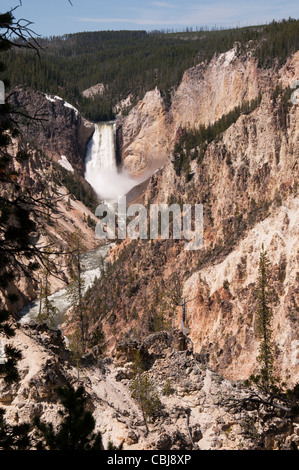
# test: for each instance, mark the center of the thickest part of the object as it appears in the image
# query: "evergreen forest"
(134, 62)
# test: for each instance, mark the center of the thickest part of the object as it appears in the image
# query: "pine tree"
(265, 379)
(78, 316)
(13, 437)
(143, 391)
(47, 311)
(76, 430)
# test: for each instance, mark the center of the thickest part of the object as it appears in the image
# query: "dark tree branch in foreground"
(21, 213)
(17, 33)
(287, 402)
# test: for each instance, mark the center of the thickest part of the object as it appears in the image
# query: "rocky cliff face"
(58, 129)
(145, 136)
(247, 182)
(196, 405)
(206, 93)
(69, 214)
(52, 133)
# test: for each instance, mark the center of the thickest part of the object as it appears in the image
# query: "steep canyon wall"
(248, 184)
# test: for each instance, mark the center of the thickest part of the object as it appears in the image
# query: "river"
(92, 263)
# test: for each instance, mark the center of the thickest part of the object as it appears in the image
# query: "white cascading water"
(101, 170)
(91, 267)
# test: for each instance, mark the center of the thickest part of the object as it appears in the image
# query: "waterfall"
(101, 170)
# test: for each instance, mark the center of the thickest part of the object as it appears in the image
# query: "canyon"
(255, 205)
(247, 181)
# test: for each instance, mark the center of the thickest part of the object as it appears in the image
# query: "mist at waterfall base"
(110, 184)
(101, 171)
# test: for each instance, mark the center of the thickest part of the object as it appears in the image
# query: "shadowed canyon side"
(57, 140)
(58, 128)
